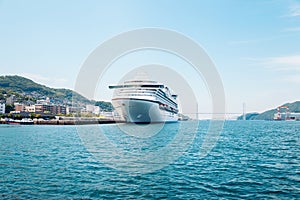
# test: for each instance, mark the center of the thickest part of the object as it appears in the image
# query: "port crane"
(279, 112)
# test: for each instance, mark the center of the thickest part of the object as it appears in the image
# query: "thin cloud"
(255, 41)
(293, 79)
(35, 77)
(238, 42)
(290, 62)
(288, 66)
(278, 63)
(51, 82)
(292, 29)
(294, 10)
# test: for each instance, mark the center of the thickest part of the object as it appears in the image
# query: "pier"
(73, 121)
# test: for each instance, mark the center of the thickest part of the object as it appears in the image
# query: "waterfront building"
(96, 110)
(74, 110)
(19, 107)
(89, 108)
(107, 115)
(40, 108)
(53, 109)
(59, 109)
(92, 109)
(30, 108)
(2, 108)
(287, 116)
(294, 116)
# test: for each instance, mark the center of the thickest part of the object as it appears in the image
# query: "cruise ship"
(141, 101)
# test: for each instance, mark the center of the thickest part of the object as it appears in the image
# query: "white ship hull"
(142, 111)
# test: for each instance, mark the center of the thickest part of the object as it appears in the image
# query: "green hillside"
(23, 87)
(248, 116)
(26, 90)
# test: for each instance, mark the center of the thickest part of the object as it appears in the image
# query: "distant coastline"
(62, 121)
(21, 98)
(287, 111)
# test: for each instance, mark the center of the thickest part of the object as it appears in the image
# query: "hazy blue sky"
(254, 44)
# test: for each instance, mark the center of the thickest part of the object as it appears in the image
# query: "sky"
(255, 45)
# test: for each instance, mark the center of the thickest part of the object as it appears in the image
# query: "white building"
(294, 116)
(96, 110)
(92, 109)
(286, 116)
(42, 101)
(2, 108)
(30, 108)
(67, 110)
(89, 108)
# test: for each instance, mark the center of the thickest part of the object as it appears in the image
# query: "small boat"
(24, 121)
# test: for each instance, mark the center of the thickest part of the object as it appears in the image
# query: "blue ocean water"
(251, 159)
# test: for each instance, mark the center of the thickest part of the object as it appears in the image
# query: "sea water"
(249, 159)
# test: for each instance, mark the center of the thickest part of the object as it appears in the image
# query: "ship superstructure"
(142, 101)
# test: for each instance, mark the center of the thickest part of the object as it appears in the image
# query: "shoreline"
(64, 122)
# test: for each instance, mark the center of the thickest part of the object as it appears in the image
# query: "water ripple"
(251, 160)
